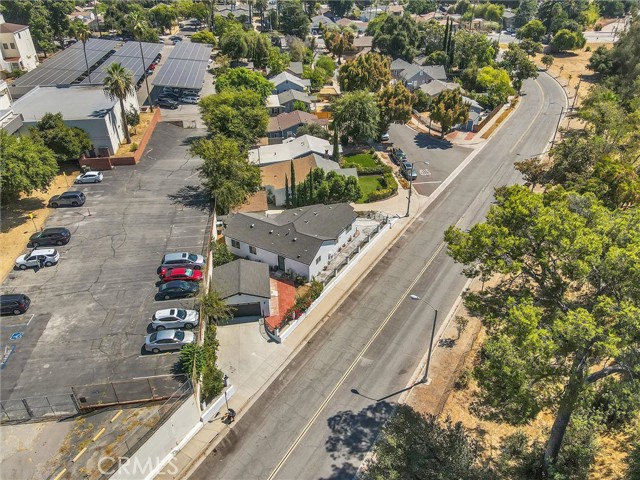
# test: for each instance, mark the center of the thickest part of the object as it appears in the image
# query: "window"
(318, 259)
(5, 46)
(13, 45)
(235, 243)
(252, 250)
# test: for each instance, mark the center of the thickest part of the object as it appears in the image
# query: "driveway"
(442, 156)
(90, 313)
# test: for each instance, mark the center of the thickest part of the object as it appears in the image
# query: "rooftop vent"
(295, 238)
(315, 213)
(252, 225)
(270, 231)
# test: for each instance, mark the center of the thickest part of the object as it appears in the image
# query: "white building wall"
(267, 257)
(328, 250)
(242, 299)
(19, 44)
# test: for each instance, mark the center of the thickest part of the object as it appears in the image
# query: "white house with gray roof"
(245, 286)
(301, 240)
(290, 149)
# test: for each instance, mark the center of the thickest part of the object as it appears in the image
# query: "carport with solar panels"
(65, 68)
(185, 67)
(129, 57)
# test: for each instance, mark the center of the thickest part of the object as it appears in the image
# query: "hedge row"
(390, 187)
(381, 169)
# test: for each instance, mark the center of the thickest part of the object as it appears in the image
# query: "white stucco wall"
(267, 257)
(24, 48)
(328, 250)
(242, 299)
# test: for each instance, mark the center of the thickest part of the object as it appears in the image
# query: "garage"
(247, 310)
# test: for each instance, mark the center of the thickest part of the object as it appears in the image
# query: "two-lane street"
(322, 414)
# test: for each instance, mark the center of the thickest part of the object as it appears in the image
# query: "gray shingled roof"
(297, 234)
(242, 277)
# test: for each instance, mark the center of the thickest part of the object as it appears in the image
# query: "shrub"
(204, 358)
(133, 147)
(463, 379)
(303, 302)
(588, 49)
(220, 253)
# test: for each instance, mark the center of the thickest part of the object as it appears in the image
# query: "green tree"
(221, 254)
(233, 43)
(300, 105)
(133, 118)
(204, 36)
(313, 129)
(473, 48)
(258, 48)
(564, 312)
(26, 164)
(490, 11)
(212, 378)
(370, 71)
(293, 20)
(119, 84)
(163, 16)
(297, 49)
(357, 116)
(547, 60)
(317, 76)
(82, 34)
(567, 40)
(398, 37)
(530, 46)
(341, 8)
(516, 61)
(422, 101)
(238, 114)
(412, 445)
(278, 61)
(338, 42)
(67, 143)
(36, 15)
(526, 12)
(432, 37)
(243, 78)
(449, 109)
(534, 30)
(496, 85)
(327, 64)
(58, 18)
(601, 60)
(421, 7)
(328, 188)
(395, 103)
(228, 176)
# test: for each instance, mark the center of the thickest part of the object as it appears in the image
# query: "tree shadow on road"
(354, 433)
(422, 140)
(192, 196)
(346, 471)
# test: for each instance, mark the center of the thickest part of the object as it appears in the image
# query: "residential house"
(245, 286)
(285, 101)
(286, 125)
(508, 20)
(17, 51)
(435, 87)
(295, 68)
(276, 176)
(85, 107)
(286, 81)
(274, 107)
(476, 113)
(415, 75)
(86, 15)
(290, 149)
(318, 20)
(397, 10)
(5, 96)
(398, 65)
(301, 241)
(362, 44)
(256, 203)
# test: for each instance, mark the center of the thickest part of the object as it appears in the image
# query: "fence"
(129, 391)
(38, 408)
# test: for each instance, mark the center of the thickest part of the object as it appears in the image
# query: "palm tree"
(119, 84)
(138, 26)
(82, 33)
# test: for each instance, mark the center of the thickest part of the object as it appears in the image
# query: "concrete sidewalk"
(252, 362)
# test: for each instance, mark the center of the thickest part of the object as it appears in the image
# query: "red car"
(186, 274)
(152, 66)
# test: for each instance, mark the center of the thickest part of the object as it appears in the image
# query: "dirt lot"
(17, 227)
(136, 134)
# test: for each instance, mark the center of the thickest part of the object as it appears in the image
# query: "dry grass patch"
(136, 134)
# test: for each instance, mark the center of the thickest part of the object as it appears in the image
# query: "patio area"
(283, 296)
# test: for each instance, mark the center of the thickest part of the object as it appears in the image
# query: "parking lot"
(443, 157)
(89, 314)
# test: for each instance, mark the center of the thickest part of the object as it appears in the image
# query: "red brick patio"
(283, 296)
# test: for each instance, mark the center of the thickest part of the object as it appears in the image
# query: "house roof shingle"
(285, 121)
(274, 174)
(255, 203)
(297, 234)
(290, 149)
(284, 77)
(293, 95)
(12, 27)
(242, 277)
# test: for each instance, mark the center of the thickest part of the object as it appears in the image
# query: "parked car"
(384, 137)
(14, 303)
(175, 318)
(166, 103)
(149, 72)
(181, 273)
(190, 92)
(181, 259)
(38, 257)
(408, 171)
(72, 198)
(152, 66)
(167, 340)
(50, 236)
(89, 177)
(177, 38)
(190, 100)
(397, 155)
(177, 289)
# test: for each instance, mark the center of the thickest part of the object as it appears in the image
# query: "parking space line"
(102, 430)
(155, 376)
(422, 183)
(75, 459)
(21, 324)
(62, 472)
(116, 415)
(154, 355)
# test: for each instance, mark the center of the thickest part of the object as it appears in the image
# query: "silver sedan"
(167, 340)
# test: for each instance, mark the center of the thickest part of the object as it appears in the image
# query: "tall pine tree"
(287, 195)
(294, 194)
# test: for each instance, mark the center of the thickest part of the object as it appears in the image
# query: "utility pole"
(425, 379)
(553, 141)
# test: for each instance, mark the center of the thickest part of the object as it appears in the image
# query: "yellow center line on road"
(353, 364)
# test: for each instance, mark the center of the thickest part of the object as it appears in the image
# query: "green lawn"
(365, 160)
(369, 184)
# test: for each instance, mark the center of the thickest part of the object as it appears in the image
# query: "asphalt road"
(89, 314)
(320, 417)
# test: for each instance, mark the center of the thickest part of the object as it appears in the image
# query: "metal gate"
(38, 408)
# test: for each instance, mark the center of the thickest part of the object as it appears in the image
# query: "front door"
(280, 263)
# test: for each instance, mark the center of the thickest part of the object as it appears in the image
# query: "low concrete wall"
(212, 410)
(107, 163)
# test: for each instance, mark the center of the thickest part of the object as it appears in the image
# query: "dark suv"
(74, 199)
(15, 303)
(397, 155)
(166, 103)
(50, 236)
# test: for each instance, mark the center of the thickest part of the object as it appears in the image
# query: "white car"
(175, 318)
(190, 100)
(39, 257)
(168, 340)
(89, 177)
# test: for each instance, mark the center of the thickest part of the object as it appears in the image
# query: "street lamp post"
(411, 184)
(425, 379)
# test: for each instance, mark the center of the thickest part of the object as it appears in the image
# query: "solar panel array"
(185, 66)
(68, 65)
(129, 57)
